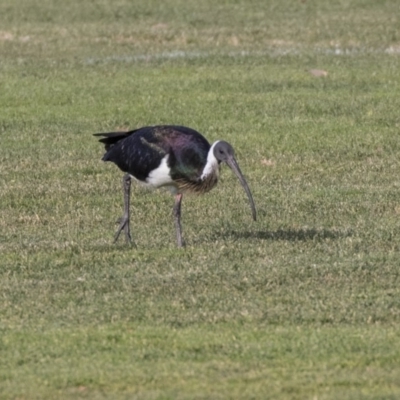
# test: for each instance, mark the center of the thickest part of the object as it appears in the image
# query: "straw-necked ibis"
(175, 157)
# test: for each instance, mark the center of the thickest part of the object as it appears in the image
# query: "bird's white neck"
(211, 166)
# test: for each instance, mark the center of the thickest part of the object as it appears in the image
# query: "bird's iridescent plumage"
(140, 151)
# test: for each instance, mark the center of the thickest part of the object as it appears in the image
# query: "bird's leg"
(124, 221)
(177, 217)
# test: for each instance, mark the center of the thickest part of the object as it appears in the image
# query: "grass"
(302, 304)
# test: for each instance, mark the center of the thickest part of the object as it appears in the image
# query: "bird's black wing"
(135, 152)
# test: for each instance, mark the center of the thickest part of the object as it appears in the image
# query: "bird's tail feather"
(111, 138)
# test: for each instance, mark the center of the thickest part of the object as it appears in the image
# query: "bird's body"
(175, 157)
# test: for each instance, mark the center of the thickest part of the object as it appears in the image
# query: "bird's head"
(224, 152)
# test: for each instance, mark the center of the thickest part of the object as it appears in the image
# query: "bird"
(171, 156)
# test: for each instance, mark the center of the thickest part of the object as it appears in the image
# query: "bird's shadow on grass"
(290, 235)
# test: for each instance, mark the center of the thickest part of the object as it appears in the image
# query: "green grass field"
(302, 304)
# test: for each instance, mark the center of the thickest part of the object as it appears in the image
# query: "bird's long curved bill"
(235, 168)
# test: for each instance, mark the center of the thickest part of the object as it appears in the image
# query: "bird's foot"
(123, 225)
